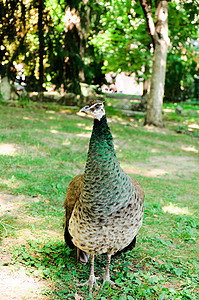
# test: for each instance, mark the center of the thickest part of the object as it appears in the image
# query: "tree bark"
(155, 97)
(160, 40)
(41, 45)
(146, 79)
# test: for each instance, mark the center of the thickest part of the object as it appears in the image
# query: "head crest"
(92, 102)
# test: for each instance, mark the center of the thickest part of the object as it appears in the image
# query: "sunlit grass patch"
(173, 209)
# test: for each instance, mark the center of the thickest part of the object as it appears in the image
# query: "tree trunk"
(146, 81)
(155, 97)
(159, 34)
(41, 45)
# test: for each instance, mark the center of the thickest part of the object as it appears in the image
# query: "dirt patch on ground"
(173, 166)
(14, 282)
(9, 202)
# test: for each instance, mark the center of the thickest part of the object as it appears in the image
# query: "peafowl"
(104, 206)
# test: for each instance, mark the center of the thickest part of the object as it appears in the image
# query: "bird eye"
(97, 106)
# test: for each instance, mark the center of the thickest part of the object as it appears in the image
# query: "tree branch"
(146, 6)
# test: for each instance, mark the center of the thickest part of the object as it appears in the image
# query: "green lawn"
(42, 147)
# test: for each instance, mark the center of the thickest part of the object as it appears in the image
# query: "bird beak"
(85, 109)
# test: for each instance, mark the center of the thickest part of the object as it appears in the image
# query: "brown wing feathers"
(72, 196)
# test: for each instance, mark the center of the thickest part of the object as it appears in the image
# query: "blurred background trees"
(51, 39)
(64, 43)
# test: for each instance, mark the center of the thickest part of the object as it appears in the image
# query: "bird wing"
(72, 195)
(138, 189)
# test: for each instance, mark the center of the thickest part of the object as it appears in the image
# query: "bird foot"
(111, 283)
(91, 283)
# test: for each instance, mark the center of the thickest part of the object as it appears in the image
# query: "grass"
(42, 147)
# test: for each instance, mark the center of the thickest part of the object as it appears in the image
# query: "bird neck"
(101, 138)
(104, 180)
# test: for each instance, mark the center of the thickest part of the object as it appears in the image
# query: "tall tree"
(158, 30)
(71, 59)
(18, 37)
(11, 37)
(41, 44)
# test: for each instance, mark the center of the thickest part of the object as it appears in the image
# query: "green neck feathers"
(106, 186)
(101, 139)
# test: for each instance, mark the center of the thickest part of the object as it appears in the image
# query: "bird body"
(104, 206)
(109, 212)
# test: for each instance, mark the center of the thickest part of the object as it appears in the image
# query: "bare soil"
(173, 166)
(15, 284)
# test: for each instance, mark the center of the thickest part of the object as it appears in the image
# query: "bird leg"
(107, 272)
(92, 279)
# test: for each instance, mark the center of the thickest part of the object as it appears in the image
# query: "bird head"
(95, 109)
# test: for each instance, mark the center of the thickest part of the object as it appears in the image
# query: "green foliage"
(182, 57)
(123, 41)
(109, 36)
(66, 56)
(126, 46)
(10, 46)
(180, 76)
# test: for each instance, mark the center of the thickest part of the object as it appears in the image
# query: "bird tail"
(68, 238)
(82, 256)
